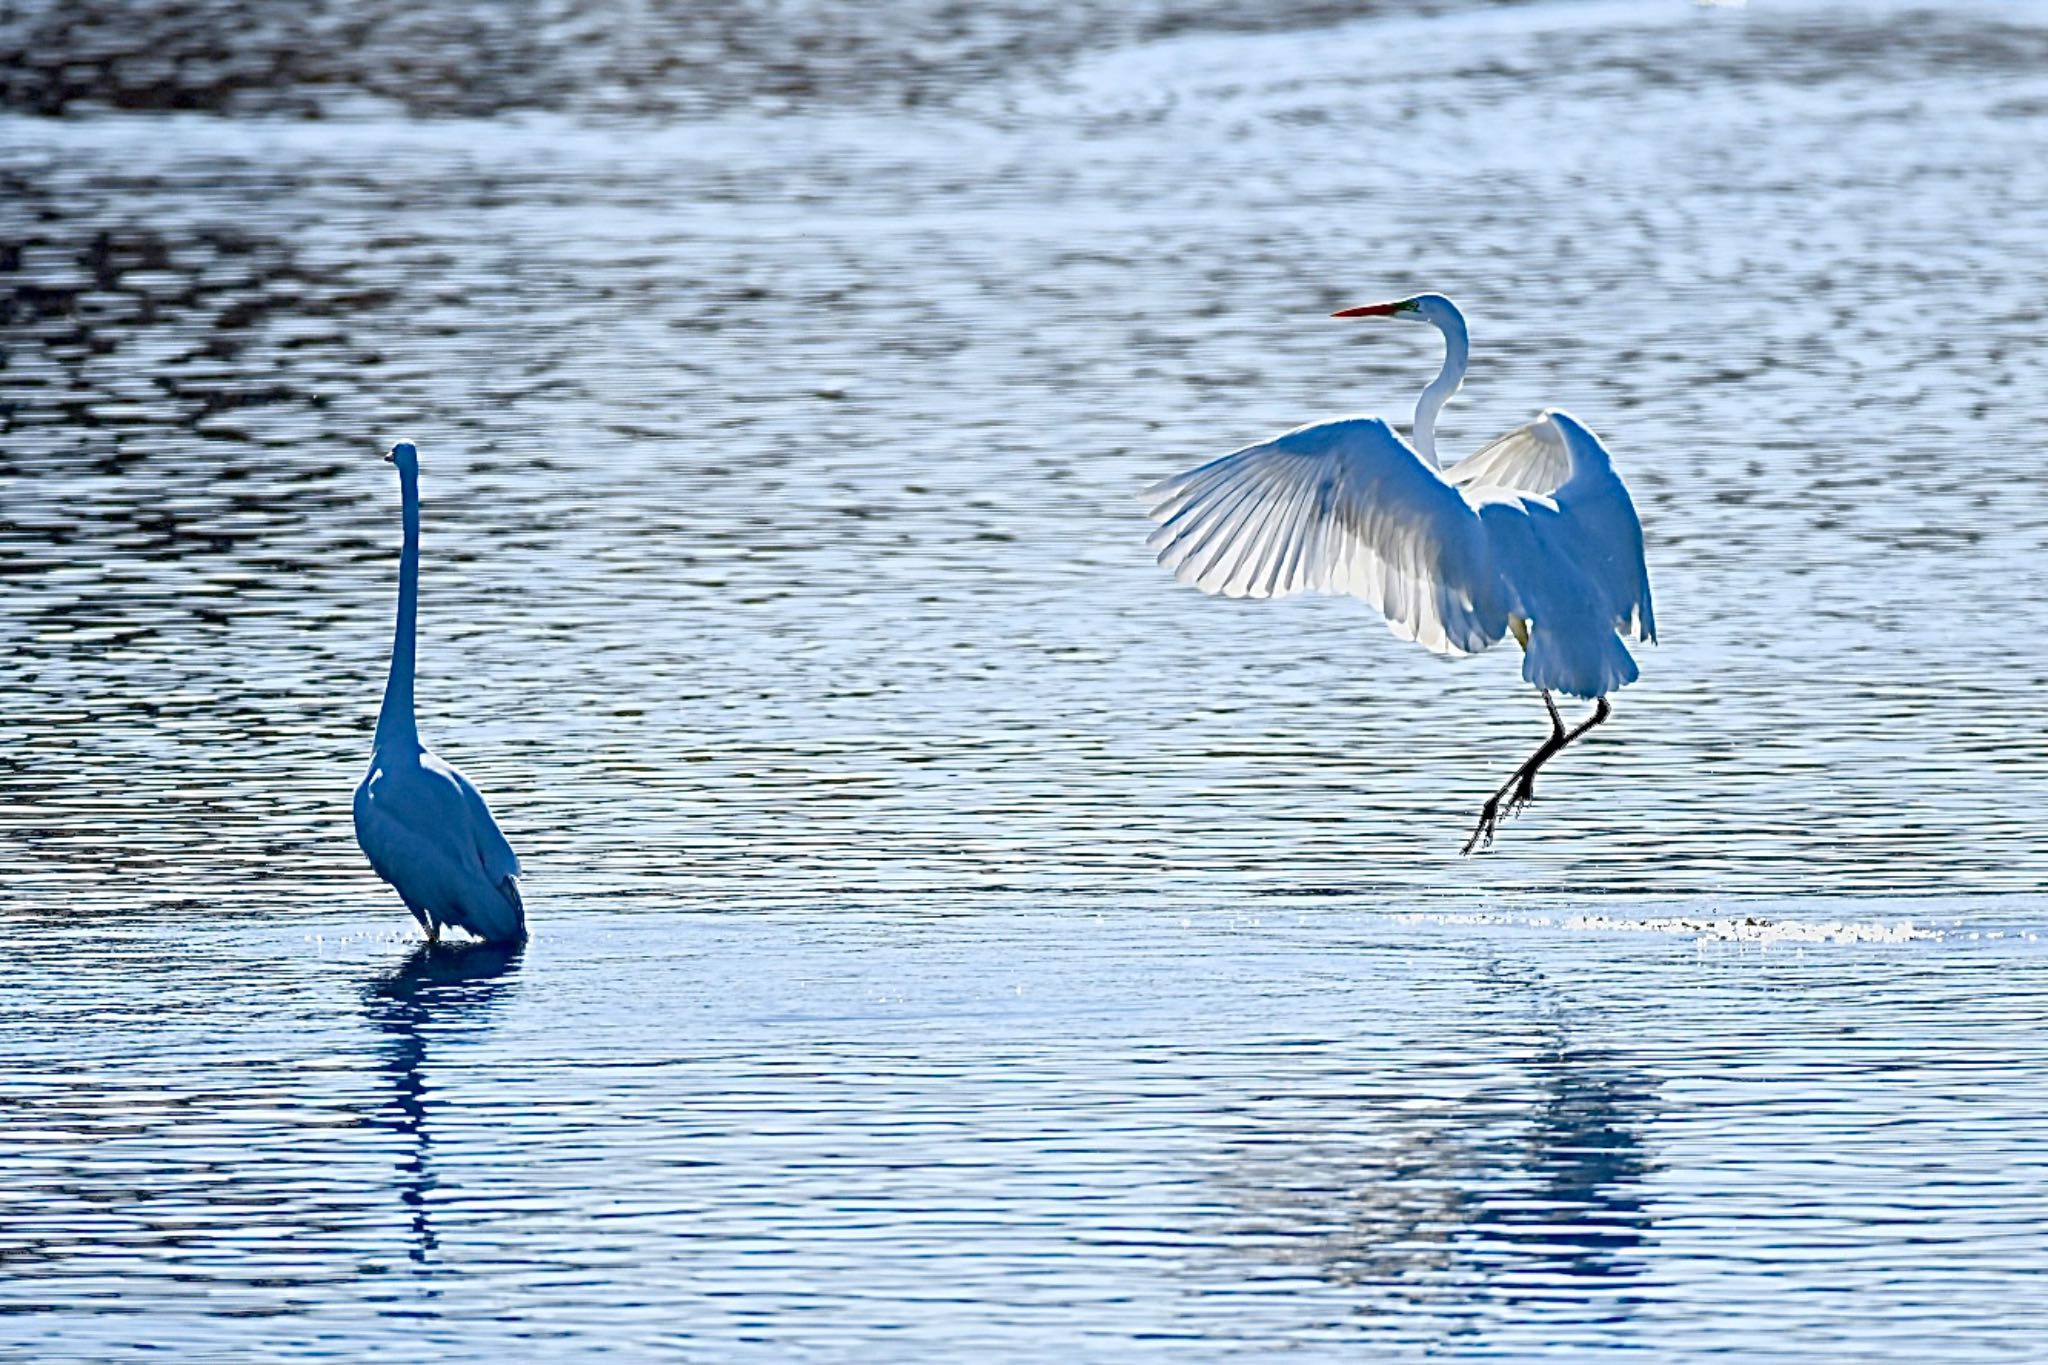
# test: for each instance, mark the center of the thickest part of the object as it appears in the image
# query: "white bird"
(1535, 534)
(425, 829)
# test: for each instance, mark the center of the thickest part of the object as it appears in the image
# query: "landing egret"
(1533, 535)
(425, 829)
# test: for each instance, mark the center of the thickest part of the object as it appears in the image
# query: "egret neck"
(1457, 355)
(395, 724)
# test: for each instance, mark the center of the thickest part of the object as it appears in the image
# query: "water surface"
(952, 933)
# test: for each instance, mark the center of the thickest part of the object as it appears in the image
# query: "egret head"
(1430, 308)
(405, 455)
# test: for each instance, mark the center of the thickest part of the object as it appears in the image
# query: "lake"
(952, 938)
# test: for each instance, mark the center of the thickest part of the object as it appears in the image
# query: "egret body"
(1535, 535)
(425, 829)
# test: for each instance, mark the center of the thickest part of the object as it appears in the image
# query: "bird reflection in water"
(439, 992)
(1585, 1155)
(1447, 1205)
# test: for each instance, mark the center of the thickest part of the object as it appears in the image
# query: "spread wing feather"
(1529, 459)
(1557, 458)
(1338, 507)
(1606, 532)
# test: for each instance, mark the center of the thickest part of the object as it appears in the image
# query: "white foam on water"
(1716, 928)
(1757, 929)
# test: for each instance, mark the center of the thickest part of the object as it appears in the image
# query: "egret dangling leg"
(1523, 781)
(1526, 791)
(1520, 782)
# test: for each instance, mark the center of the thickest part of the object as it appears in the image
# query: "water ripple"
(954, 934)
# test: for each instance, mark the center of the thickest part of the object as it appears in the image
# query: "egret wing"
(1529, 459)
(1606, 533)
(1556, 457)
(385, 842)
(1339, 507)
(493, 850)
(400, 852)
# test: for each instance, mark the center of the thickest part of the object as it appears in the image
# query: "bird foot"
(1482, 833)
(1491, 814)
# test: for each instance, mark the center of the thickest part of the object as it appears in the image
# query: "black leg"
(1523, 782)
(1489, 814)
(1525, 791)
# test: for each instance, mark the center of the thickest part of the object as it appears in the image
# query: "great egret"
(425, 829)
(1535, 534)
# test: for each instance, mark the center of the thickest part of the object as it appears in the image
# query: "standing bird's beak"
(1375, 310)
(388, 454)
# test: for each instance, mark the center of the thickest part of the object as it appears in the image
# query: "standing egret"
(1533, 535)
(425, 829)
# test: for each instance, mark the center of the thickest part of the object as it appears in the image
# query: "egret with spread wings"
(424, 828)
(1535, 535)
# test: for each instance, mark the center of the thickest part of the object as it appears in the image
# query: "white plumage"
(1535, 533)
(1337, 507)
(423, 826)
(1535, 526)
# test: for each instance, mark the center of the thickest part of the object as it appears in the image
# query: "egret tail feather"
(1580, 663)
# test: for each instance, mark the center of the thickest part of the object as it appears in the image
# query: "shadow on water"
(439, 991)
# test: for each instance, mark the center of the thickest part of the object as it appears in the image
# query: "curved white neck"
(1457, 354)
(395, 724)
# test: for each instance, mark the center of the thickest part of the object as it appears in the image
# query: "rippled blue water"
(861, 1129)
(952, 935)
